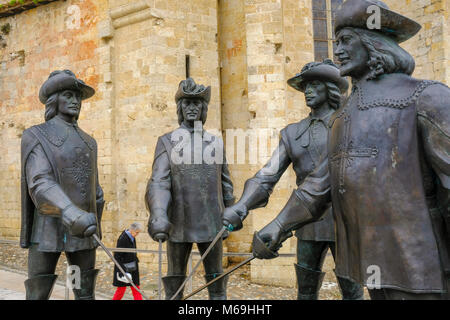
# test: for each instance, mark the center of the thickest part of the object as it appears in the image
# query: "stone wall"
(133, 54)
(279, 43)
(144, 50)
(263, 43)
(430, 47)
(37, 43)
(234, 98)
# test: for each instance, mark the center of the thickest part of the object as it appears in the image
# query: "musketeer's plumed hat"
(356, 14)
(189, 89)
(64, 80)
(325, 71)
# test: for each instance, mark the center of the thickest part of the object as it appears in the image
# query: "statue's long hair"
(51, 106)
(180, 111)
(385, 55)
(334, 95)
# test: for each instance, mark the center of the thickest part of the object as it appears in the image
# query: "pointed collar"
(57, 130)
(305, 123)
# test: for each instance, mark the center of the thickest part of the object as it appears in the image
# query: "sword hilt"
(118, 265)
(260, 246)
(230, 227)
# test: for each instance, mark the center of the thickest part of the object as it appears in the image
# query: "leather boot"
(217, 290)
(350, 290)
(309, 282)
(171, 285)
(87, 285)
(40, 287)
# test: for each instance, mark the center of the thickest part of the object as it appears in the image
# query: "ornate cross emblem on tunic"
(80, 171)
(346, 151)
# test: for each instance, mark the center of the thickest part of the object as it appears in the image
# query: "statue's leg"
(41, 273)
(213, 268)
(85, 259)
(177, 259)
(350, 290)
(310, 258)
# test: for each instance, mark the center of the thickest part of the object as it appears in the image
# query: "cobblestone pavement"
(239, 286)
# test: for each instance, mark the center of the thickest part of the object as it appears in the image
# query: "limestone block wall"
(430, 47)
(133, 53)
(262, 44)
(281, 46)
(234, 99)
(145, 45)
(39, 41)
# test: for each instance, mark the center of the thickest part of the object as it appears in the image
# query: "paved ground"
(13, 266)
(12, 287)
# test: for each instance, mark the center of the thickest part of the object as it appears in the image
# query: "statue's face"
(351, 53)
(316, 94)
(192, 109)
(69, 103)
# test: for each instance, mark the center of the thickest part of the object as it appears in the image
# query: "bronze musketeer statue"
(187, 192)
(304, 144)
(62, 201)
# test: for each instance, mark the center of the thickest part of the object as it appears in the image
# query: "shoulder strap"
(286, 141)
(43, 142)
(168, 145)
(87, 139)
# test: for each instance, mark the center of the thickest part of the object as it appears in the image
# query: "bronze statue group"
(372, 168)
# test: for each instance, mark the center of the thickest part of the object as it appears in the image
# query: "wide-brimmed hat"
(189, 89)
(64, 80)
(353, 13)
(325, 71)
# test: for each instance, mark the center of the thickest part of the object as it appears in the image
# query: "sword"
(219, 277)
(118, 265)
(257, 244)
(218, 236)
(159, 268)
